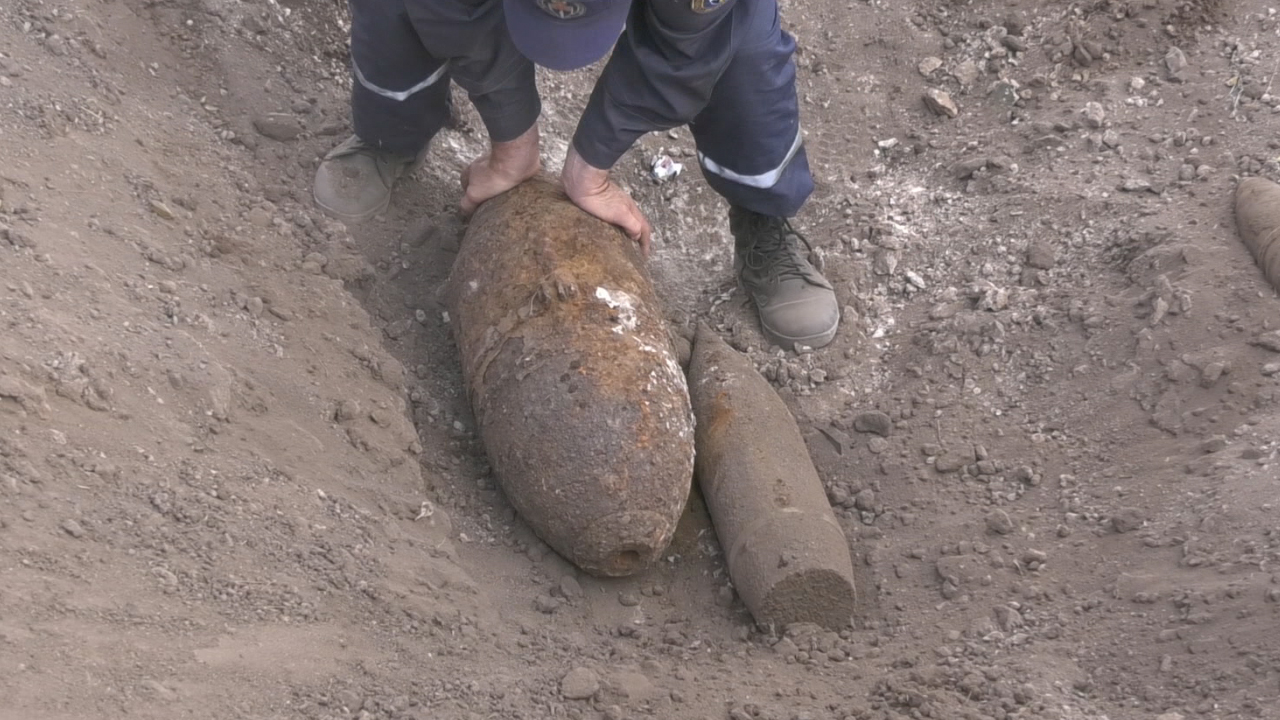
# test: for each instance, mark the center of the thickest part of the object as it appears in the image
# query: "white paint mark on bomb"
(623, 304)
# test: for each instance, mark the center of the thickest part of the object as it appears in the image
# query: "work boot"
(354, 180)
(797, 305)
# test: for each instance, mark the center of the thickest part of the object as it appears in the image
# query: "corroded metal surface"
(1258, 220)
(581, 404)
(787, 555)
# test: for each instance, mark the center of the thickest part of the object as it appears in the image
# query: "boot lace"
(775, 253)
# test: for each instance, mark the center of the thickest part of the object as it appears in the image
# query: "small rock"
(966, 72)
(1175, 61)
(1128, 519)
(1211, 373)
(162, 211)
(1268, 340)
(865, 500)
(1008, 619)
(546, 604)
(999, 522)
(580, 684)
(951, 462)
(1040, 254)
(569, 588)
(628, 599)
(928, 65)
(166, 577)
(965, 169)
(1214, 444)
(940, 103)
(1094, 114)
(873, 421)
(1014, 43)
(73, 528)
(280, 127)
(1111, 138)
(1271, 369)
(885, 262)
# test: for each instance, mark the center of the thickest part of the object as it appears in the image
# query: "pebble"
(1268, 340)
(1213, 444)
(580, 684)
(951, 463)
(1175, 61)
(940, 102)
(1014, 43)
(1040, 255)
(965, 169)
(162, 211)
(628, 599)
(928, 65)
(569, 587)
(966, 72)
(278, 126)
(73, 528)
(999, 522)
(873, 421)
(1128, 519)
(1094, 114)
(546, 604)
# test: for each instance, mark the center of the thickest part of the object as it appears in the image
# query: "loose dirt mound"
(238, 476)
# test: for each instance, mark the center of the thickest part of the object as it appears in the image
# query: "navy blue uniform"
(723, 68)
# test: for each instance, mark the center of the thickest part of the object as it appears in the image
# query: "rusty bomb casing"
(788, 557)
(580, 402)
(1257, 205)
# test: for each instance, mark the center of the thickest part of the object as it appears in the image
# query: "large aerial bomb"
(579, 399)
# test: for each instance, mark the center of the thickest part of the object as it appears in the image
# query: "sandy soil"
(238, 476)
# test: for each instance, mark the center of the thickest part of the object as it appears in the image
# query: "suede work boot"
(354, 180)
(796, 303)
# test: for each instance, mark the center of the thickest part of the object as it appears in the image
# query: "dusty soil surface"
(238, 476)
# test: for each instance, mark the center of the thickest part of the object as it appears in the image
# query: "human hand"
(506, 165)
(590, 189)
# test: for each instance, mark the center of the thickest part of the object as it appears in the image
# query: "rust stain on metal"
(580, 401)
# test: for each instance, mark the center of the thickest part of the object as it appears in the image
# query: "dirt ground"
(238, 476)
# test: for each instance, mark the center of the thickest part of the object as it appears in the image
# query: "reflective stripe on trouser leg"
(748, 137)
(400, 96)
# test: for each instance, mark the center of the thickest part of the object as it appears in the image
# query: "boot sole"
(789, 343)
(370, 214)
(350, 218)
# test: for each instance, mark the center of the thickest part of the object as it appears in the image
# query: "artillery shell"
(580, 402)
(1258, 221)
(787, 556)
